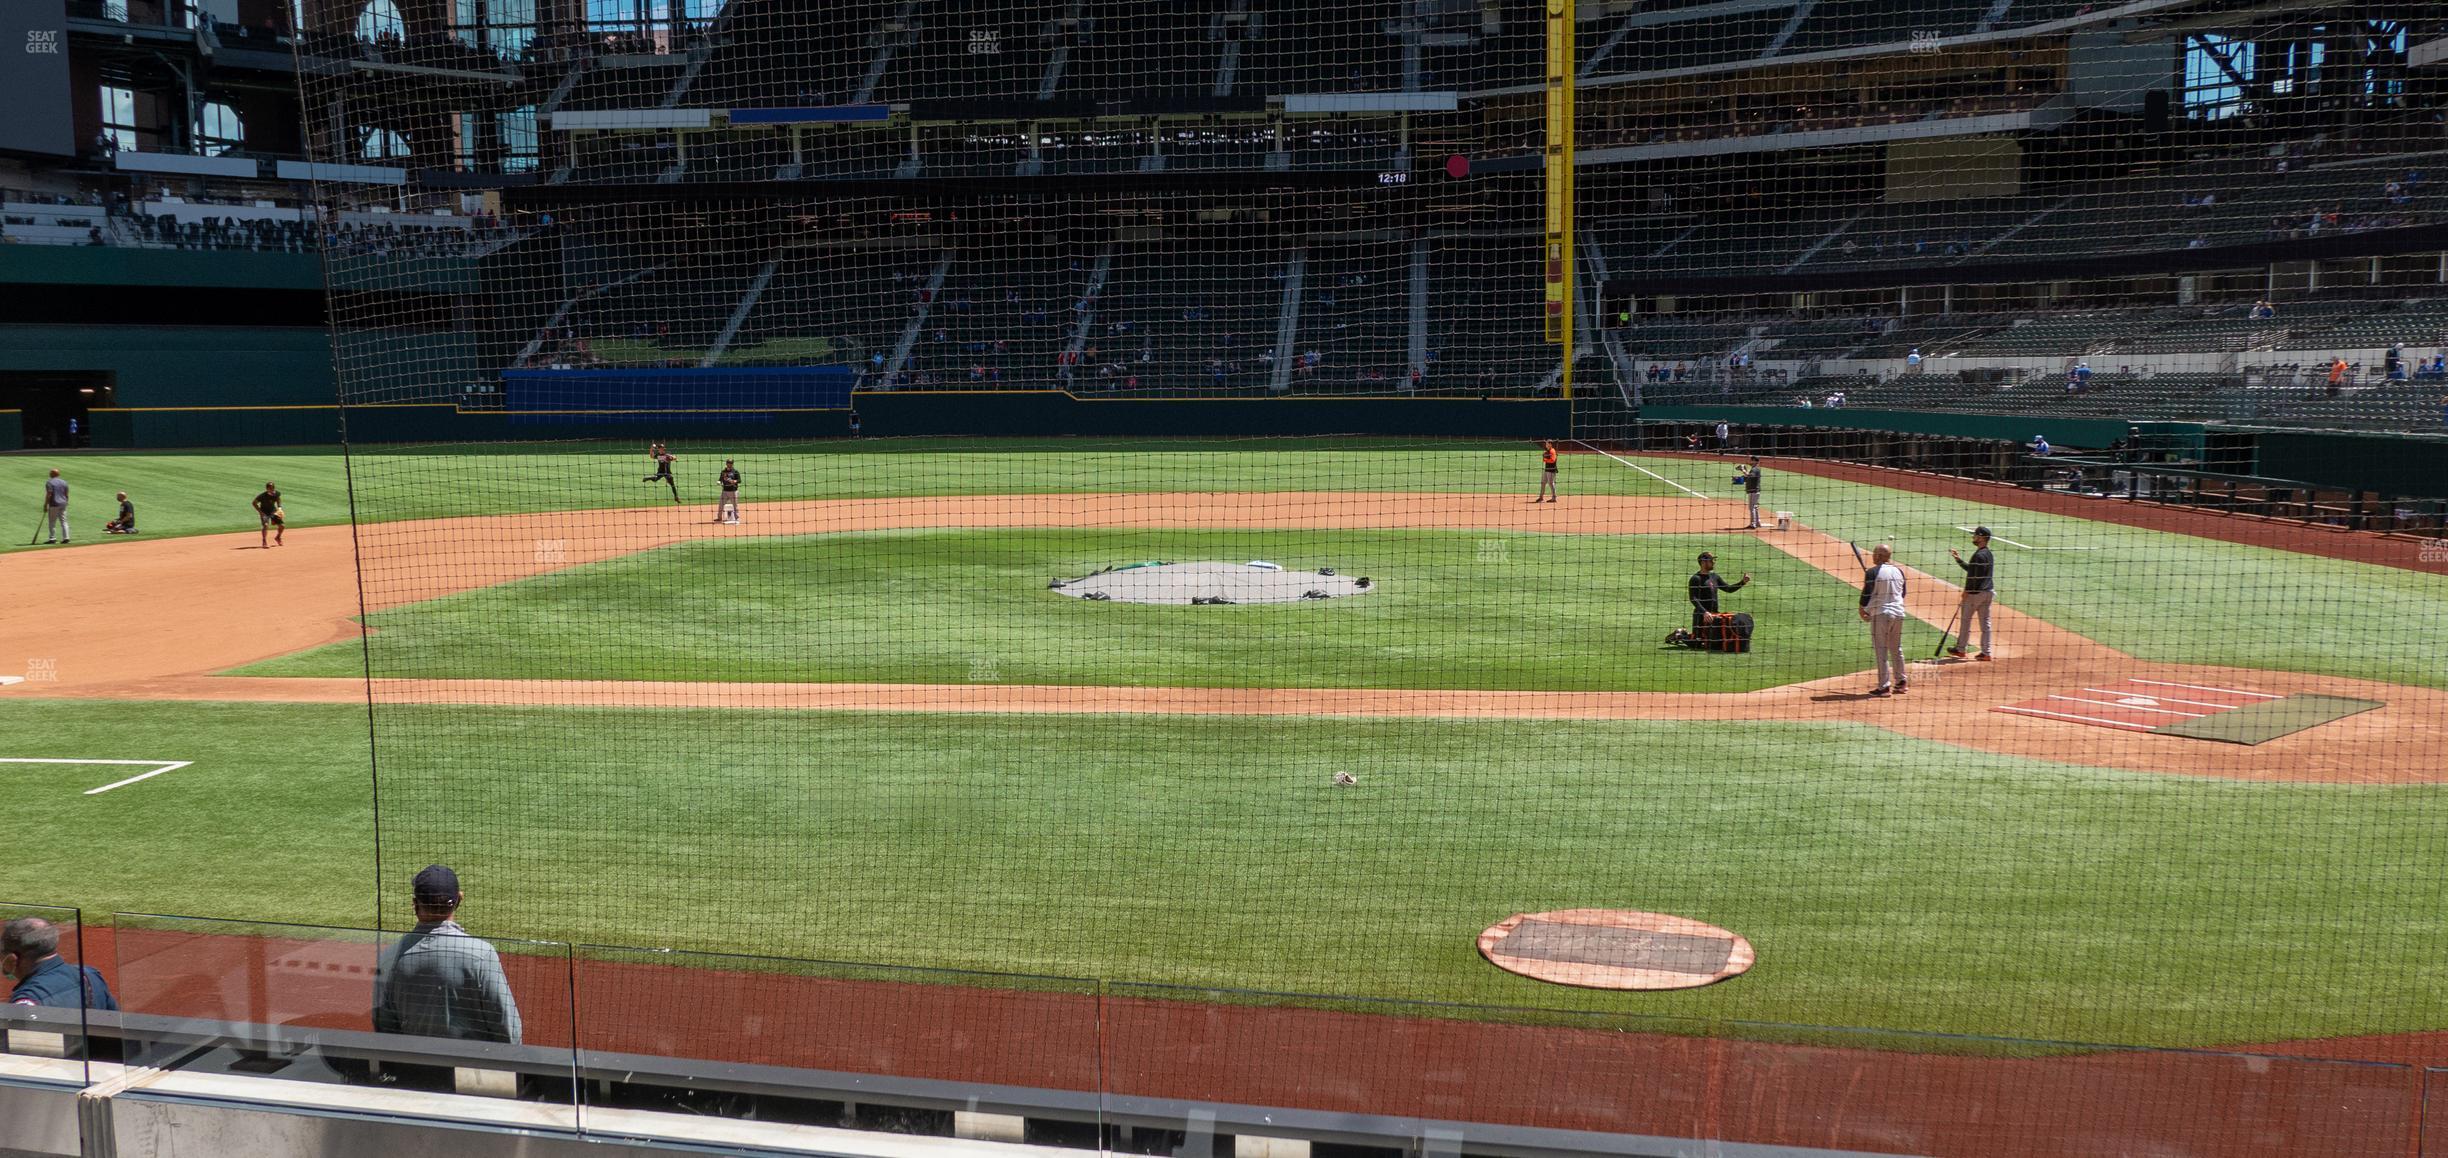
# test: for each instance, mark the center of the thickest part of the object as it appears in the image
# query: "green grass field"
(1450, 610)
(1887, 882)
(2152, 594)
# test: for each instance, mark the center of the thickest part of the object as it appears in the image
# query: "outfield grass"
(1449, 609)
(192, 493)
(1886, 882)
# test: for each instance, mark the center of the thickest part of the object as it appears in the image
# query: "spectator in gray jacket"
(437, 981)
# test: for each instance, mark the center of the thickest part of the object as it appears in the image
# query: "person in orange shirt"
(1547, 477)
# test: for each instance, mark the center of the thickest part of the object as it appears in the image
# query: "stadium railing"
(673, 1048)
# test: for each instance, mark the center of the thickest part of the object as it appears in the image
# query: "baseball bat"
(1948, 630)
(1857, 557)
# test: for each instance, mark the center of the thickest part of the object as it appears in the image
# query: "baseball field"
(860, 726)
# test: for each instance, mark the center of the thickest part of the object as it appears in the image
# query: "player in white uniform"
(1882, 607)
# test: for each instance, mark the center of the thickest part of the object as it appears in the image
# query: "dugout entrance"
(54, 405)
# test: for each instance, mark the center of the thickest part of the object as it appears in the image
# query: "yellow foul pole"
(1559, 240)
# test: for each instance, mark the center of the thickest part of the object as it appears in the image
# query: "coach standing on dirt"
(1979, 592)
(727, 511)
(1882, 607)
(1751, 492)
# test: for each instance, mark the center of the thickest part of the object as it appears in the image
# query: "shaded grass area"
(1448, 610)
(1886, 882)
(2152, 594)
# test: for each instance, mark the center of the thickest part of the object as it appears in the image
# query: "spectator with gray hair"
(29, 955)
(437, 981)
(1882, 607)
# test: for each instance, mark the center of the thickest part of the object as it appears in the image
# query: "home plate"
(2199, 711)
(7, 680)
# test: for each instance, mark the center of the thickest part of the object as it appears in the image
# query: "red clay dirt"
(1815, 1089)
(237, 604)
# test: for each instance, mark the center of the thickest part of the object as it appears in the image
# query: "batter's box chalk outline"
(158, 767)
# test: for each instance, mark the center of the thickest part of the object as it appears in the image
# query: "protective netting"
(1859, 288)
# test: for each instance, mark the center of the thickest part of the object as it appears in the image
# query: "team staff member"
(1547, 476)
(125, 524)
(1882, 607)
(271, 522)
(437, 980)
(727, 511)
(29, 953)
(1979, 593)
(1706, 584)
(1751, 491)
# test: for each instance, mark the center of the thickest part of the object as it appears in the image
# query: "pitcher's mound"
(1615, 949)
(1185, 583)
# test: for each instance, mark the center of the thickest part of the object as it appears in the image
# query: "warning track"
(239, 604)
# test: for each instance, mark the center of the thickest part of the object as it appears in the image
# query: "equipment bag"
(1727, 632)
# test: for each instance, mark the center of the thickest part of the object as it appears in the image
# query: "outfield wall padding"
(2069, 433)
(891, 414)
(1020, 413)
(436, 422)
(626, 391)
(2396, 466)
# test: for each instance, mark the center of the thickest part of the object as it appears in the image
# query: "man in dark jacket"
(1979, 593)
(29, 954)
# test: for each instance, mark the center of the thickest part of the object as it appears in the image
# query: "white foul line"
(2025, 546)
(2133, 707)
(1645, 470)
(158, 766)
(2161, 698)
(173, 766)
(1999, 538)
(2085, 719)
(2206, 688)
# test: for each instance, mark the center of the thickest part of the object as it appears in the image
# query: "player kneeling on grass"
(125, 524)
(1710, 628)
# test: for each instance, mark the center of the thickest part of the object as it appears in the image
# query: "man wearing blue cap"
(1979, 592)
(437, 981)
